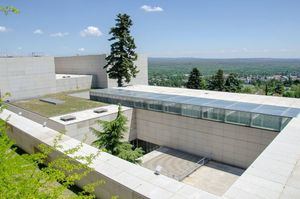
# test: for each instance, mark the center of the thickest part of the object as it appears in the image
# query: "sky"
(162, 28)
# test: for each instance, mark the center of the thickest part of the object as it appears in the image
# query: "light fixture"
(158, 170)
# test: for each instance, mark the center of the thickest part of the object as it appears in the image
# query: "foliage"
(195, 80)
(242, 67)
(38, 176)
(249, 89)
(294, 91)
(232, 83)
(120, 63)
(127, 152)
(217, 81)
(9, 9)
(112, 134)
(279, 88)
(110, 138)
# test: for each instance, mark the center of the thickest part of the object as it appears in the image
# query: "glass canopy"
(240, 113)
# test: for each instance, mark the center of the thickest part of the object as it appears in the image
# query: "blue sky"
(162, 28)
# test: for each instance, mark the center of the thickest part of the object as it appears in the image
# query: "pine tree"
(112, 134)
(120, 63)
(217, 81)
(194, 80)
(110, 139)
(232, 83)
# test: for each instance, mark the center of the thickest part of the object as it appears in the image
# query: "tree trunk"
(120, 83)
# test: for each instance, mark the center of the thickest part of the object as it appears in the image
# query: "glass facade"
(268, 117)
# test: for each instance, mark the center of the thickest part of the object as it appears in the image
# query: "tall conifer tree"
(120, 63)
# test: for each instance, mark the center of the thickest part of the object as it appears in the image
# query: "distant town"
(279, 77)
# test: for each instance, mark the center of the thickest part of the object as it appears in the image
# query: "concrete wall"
(73, 83)
(93, 65)
(84, 65)
(81, 129)
(231, 144)
(25, 77)
(142, 76)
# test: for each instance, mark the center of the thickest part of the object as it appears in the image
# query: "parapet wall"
(231, 144)
(73, 83)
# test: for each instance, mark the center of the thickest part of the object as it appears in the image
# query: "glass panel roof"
(220, 103)
(225, 104)
(243, 106)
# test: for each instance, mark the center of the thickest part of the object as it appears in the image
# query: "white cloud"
(20, 48)
(3, 29)
(38, 32)
(59, 34)
(91, 31)
(148, 8)
(81, 49)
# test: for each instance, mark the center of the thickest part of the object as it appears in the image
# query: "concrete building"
(203, 144)
(268, 151)
(27, 77)
(230, 128)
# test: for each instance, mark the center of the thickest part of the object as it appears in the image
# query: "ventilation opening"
(100, 110)
(68, 118)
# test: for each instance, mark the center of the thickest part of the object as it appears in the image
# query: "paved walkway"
(214, 177)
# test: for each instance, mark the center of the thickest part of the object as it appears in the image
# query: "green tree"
(120, 63)
(217, 81)
(195, 80)
(112, 134)
(9, 9)
(248, 89)
(279, 88)
(110, 138)
(232, 83)
(44, 174)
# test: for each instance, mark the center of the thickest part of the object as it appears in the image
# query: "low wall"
(80, 82)
(82, 128)
(36, 118)
(231, 144)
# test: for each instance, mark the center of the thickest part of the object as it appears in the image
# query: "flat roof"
(217, 95)
(88, 114)
(211, 99)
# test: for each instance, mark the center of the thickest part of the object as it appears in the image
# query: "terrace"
(70, 104)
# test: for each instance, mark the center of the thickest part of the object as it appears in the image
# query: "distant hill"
(252, 66)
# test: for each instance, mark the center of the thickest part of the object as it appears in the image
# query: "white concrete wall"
(26, 77)
(81, 129)
(74, 83)
(93, 65)
(84, 65)
(231, 144)
(142, 76)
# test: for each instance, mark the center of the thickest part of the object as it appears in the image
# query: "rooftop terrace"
(71, 104)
